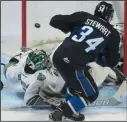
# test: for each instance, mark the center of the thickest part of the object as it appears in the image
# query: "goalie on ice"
(36, 73)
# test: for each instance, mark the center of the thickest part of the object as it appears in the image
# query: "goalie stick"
(116, 99)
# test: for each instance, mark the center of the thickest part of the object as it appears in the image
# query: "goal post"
(125, 38)
(24, 23)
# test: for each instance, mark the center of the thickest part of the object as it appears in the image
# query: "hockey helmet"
(105, 11)
(38, 60)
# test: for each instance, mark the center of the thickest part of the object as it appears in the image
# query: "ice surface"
(43, 116)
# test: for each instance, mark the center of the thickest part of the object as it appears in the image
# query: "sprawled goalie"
(36, 73)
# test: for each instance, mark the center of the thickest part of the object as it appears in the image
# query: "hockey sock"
(77, 103)
(68, 94)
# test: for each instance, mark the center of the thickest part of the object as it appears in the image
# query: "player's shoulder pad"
(80, 13)
(116, 33)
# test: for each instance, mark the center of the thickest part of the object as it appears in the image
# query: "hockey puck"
(37, 25)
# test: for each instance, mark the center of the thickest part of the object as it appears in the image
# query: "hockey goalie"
(35, 72)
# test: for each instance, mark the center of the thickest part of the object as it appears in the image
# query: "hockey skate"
(58, 115)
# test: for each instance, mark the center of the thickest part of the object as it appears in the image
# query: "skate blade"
(63, 119)
(67, 119)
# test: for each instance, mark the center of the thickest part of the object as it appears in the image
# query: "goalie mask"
(38, 60)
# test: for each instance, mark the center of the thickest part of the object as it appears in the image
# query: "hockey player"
(89, 35)
(37, 75)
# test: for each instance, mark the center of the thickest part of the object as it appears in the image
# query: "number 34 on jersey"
(92, 43)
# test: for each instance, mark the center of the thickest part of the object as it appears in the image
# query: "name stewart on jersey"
(98, 26)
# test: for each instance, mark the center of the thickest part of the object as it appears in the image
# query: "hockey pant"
(81, 86)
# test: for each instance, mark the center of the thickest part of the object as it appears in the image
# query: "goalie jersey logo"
(41, 77)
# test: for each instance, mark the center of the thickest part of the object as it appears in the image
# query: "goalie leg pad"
(36, 102)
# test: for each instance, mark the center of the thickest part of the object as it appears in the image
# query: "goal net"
(37, 14)
(125, 38)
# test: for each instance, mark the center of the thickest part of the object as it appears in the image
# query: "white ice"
(43, 116)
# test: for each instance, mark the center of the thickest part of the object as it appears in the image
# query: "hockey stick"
(116, 99)
(24, 108)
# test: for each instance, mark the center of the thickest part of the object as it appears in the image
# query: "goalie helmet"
(38, 60)
(105, 11)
